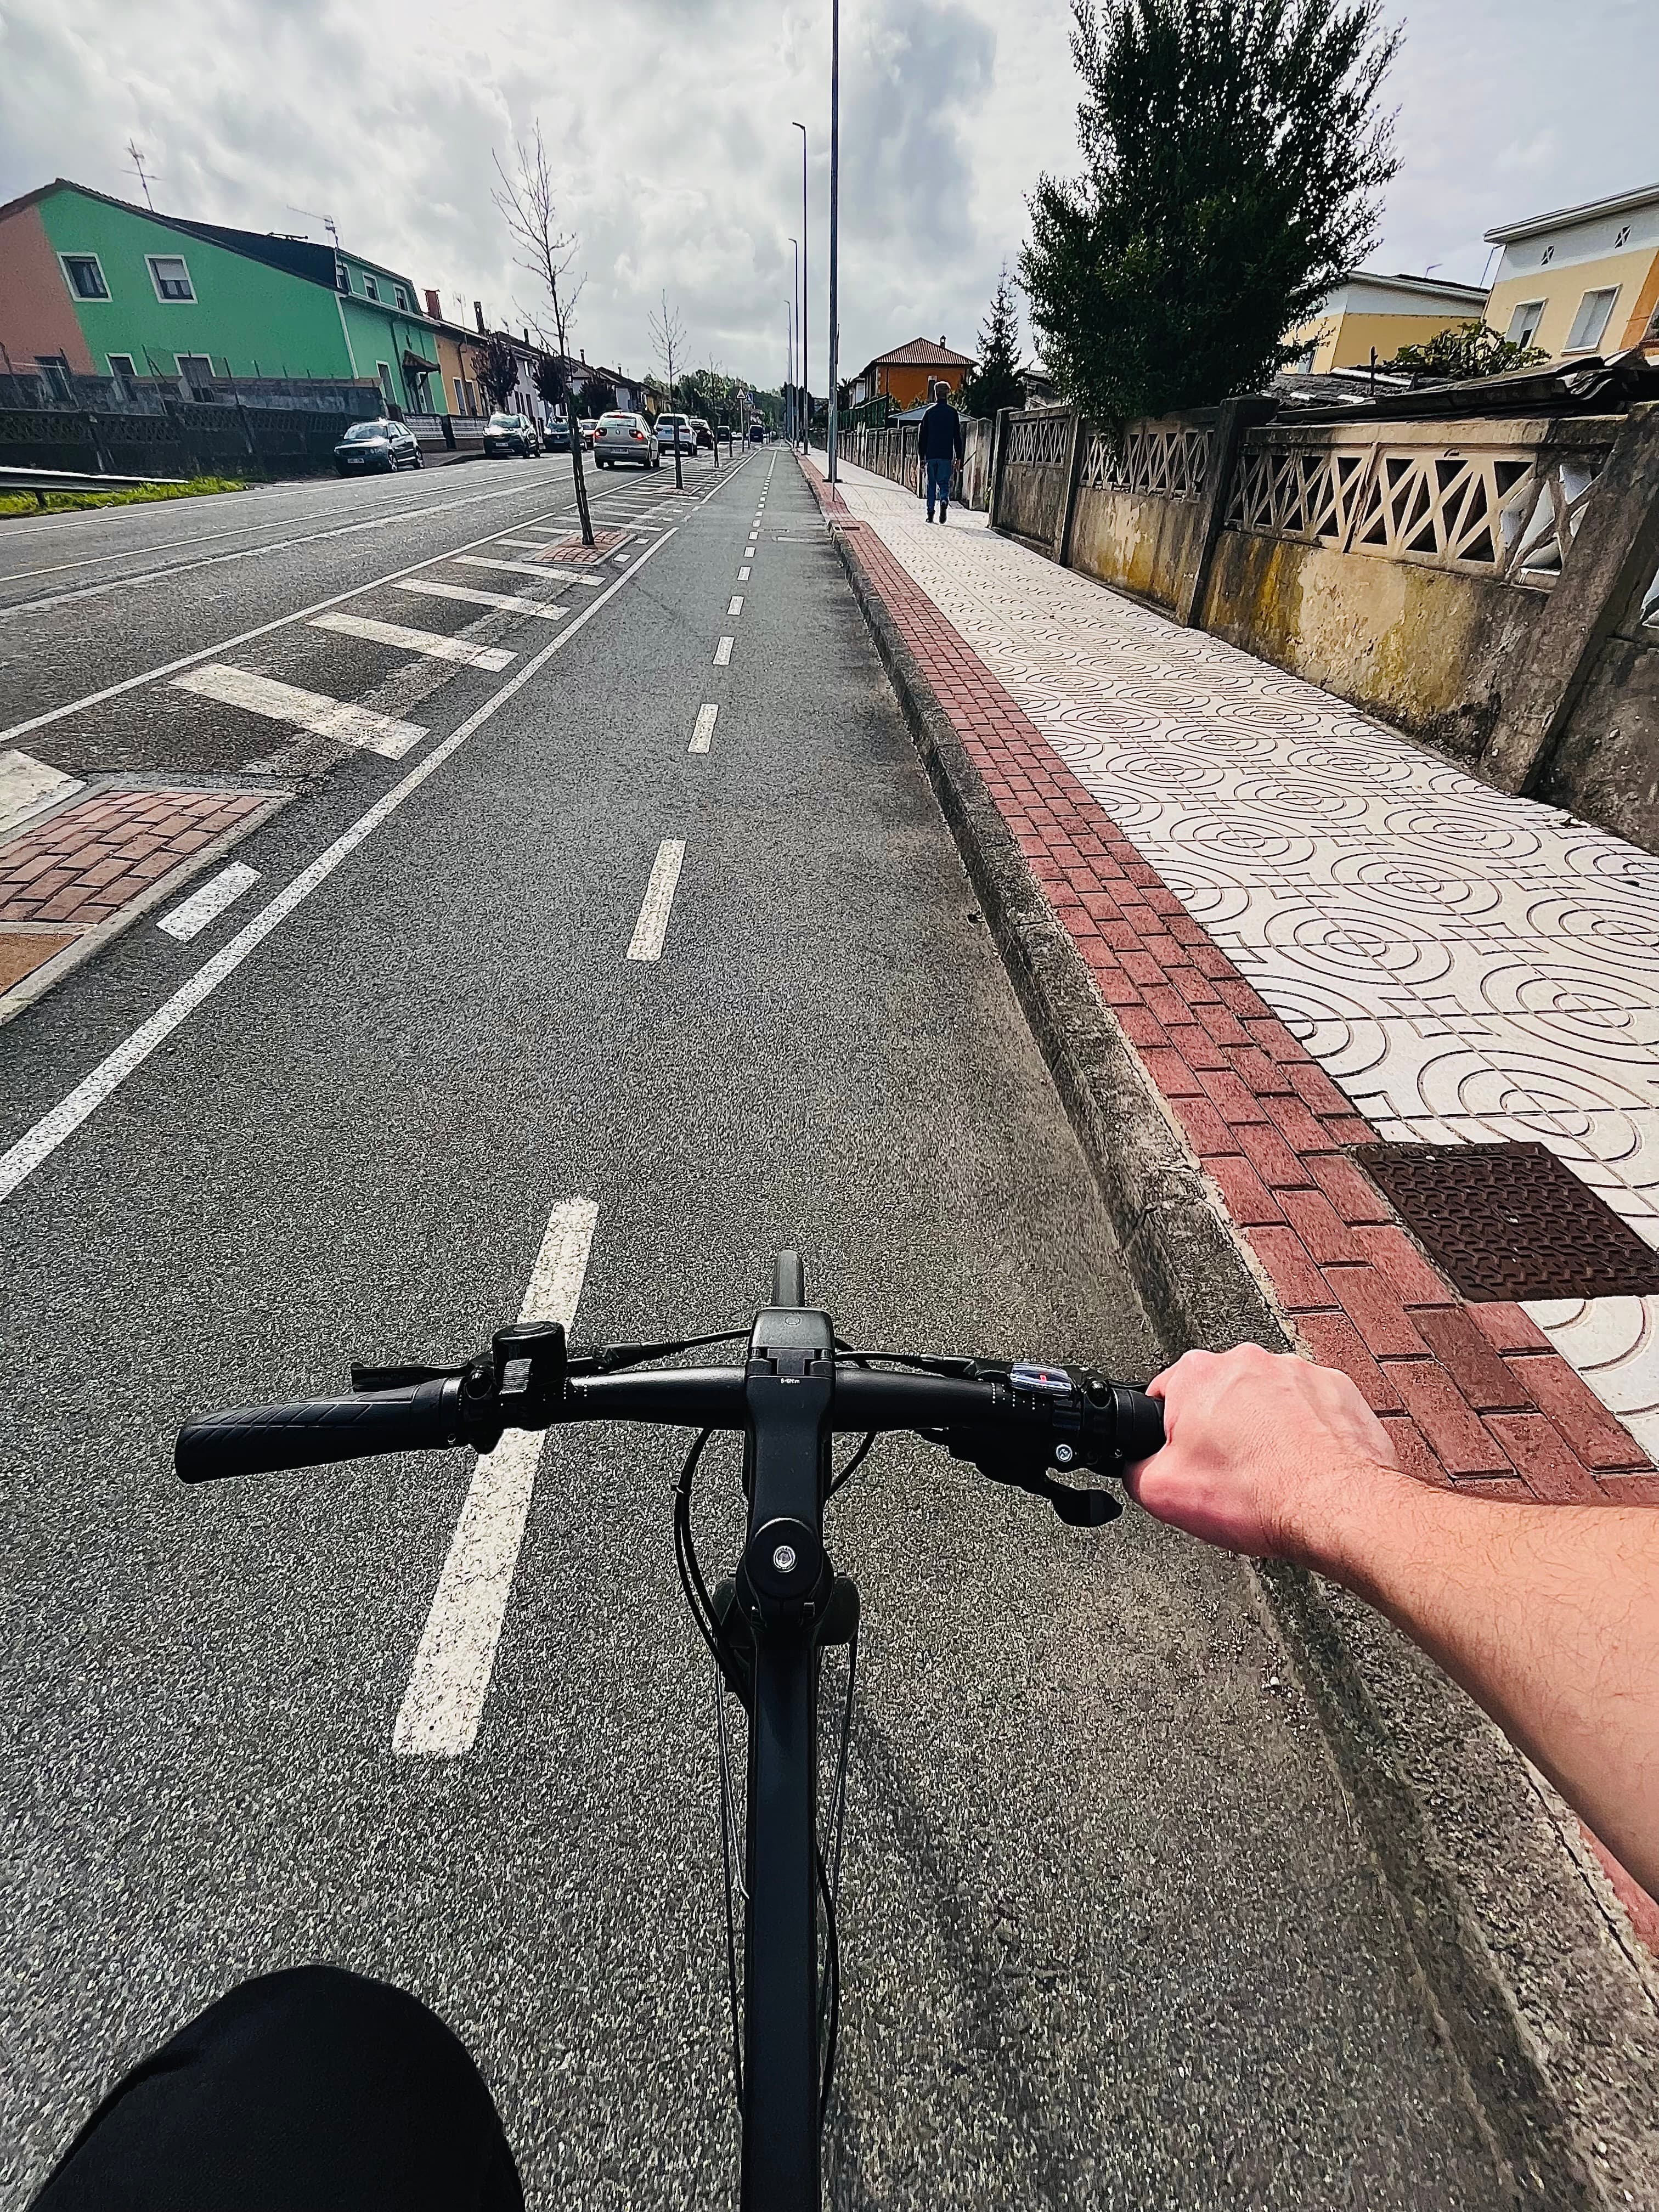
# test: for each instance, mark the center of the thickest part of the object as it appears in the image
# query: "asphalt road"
(1111, 1936)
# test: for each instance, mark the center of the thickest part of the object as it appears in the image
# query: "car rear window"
(361, 431)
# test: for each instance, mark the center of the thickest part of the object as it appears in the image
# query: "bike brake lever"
(407, 1377)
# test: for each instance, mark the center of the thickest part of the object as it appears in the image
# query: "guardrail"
(41, 481)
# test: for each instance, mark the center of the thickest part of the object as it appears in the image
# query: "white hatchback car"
(676, 429)
(623, 437)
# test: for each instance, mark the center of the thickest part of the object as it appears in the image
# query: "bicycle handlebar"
(1104, 1420)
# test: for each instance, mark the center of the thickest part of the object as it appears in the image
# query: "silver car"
(620, 436)
(676, 430)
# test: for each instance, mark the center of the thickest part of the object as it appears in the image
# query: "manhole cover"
(1510, 1221)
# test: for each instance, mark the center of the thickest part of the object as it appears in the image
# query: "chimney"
(584, 355)
(433, 310)
(477, 309)
(941, 338)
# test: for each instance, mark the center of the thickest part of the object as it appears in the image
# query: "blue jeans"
(939, 485)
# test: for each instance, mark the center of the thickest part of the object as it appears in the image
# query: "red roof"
(920, 353)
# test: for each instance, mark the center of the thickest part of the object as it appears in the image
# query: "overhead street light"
(806, 321)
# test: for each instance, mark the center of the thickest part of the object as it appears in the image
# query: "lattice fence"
(1511, 514)
(1039, 441)
(1165, 461)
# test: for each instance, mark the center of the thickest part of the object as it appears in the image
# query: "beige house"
(1585, 280)
(1384, 313)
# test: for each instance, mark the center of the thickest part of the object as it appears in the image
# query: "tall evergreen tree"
(1233, 151)
(994, 382)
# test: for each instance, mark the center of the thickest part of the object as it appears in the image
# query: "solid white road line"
(652, 928)
(513, 602)
(450, 1680)
(723, 654)
(190, 918)
(431, 642)
(305, 710)
(736, 607)
(527, 544)
(703, 734)
(743, 575)
(526, 568)
(39, 1143)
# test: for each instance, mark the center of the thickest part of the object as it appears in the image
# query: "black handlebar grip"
(257, 1439)
(1139, 1430)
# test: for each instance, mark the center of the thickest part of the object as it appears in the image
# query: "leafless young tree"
(545, 251)
(668, 336)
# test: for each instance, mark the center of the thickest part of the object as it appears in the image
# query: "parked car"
(676, 430)
(620, 436)
(758, 433)
(588, 425)
(512, 434)
(705, 435)
(555, 435)
(378, 444)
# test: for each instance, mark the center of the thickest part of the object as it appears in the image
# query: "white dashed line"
(347, 724)
(736, 607)
(723, 654)
(743, 575)
(450, 1680)
(704, 731)
(512, 601)
(433, 643)
(652, 928)
(190, 918)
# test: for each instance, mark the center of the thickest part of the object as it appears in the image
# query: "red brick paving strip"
(571, 551)
(1472, 1396)
(79, 867)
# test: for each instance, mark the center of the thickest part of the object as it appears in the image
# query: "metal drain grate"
(1510, 1221)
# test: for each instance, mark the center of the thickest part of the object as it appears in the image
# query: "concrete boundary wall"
(891, 452)
(1484, 583)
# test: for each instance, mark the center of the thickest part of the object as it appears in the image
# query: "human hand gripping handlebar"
(769, 1625)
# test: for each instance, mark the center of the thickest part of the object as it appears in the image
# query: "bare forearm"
(1548, 1616)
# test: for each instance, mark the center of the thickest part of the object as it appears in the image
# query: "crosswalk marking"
(450, 1680)
(528, 568)
(703, 734)
(652, 928)
(307, 710)
(431, 642)
(512, 601)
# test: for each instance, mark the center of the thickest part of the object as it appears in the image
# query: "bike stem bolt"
(784, 1559)
(1064, 1455)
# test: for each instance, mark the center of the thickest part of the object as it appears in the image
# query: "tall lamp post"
(789, 370)
(805, 321)
(835, 225)
(794, 383)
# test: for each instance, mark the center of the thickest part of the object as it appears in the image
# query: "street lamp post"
(805, 321)
(835, 224)
(789, 370)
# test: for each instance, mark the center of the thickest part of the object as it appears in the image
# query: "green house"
(95, 287)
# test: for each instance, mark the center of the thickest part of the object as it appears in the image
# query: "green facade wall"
(247, 318)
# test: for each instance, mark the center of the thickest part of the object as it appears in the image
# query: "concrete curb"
(1540, 1987)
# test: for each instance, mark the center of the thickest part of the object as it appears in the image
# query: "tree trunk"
(576, 470)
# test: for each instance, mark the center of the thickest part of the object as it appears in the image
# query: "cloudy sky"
(668, 122)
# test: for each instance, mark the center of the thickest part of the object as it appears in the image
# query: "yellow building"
(1585, 280)
(1382, 313)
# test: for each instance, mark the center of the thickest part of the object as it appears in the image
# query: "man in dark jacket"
(938, 444)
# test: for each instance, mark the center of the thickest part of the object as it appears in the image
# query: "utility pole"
(835, 221)
(805, 319)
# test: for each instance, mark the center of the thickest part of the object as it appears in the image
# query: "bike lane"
(1102, 1882)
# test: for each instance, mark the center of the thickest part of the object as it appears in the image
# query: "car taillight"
(638, 436)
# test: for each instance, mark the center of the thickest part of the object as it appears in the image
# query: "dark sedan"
(512, 434)
(380, 445)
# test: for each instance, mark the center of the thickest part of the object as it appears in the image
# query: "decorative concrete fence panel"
(1142, 503)
(1399, 564)
(1034, 476)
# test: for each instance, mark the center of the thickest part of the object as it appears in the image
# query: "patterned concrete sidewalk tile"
(1312, 931)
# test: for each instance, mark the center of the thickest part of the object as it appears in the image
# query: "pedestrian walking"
(938, 444)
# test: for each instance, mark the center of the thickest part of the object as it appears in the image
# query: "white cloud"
(669, 121)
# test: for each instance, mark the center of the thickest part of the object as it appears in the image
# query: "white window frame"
(1513, 334)
(388, 390)
(122, 364)
(89, 298)
(402, 297)
(1593, 336)
(371, 289)
(181, 360)
(171, 300)
(460, 395)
